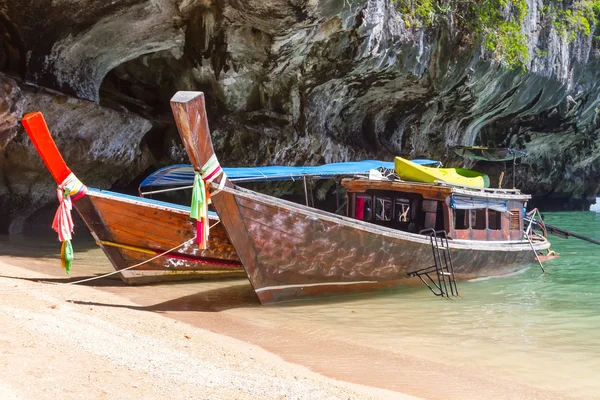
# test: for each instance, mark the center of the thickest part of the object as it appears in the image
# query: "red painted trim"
(79, 195)
(201, 260)
(213, 173)
(36, 128)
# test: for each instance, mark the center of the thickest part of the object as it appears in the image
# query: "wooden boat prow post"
(291, 251)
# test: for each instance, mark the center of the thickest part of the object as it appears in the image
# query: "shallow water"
(535, 329)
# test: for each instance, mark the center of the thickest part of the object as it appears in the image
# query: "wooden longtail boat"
(291, 251)
(132, 230)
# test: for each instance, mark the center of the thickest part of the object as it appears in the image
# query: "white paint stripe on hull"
(282, 287)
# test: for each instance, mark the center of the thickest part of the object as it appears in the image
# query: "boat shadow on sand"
(234, 295)
(111, 281)
(238, 295)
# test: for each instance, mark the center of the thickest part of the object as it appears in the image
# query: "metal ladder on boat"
(442, 266)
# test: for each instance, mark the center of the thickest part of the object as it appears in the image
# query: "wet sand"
(249, 357)
(73, 342)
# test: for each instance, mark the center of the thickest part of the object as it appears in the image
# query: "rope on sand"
(53, 284)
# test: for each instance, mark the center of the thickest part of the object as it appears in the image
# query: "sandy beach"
(194, 340)
(54, 344)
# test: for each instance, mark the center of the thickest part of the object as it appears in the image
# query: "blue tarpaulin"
(183, 174)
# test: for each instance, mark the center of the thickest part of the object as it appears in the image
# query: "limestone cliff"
(287, 81)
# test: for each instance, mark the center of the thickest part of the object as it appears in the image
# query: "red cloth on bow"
(63, 222)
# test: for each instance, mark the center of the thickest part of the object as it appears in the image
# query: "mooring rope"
(53, 284)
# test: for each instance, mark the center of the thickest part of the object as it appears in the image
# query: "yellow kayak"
(409, 171)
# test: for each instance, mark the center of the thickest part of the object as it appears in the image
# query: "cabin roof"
(438, 191)
(183, 174)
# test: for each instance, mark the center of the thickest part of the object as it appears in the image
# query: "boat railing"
(479, 189)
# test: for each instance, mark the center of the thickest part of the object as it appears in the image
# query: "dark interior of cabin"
(407, 212)
(410, 212)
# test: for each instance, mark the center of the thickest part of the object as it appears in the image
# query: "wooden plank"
(431, 192)
(476, 188)
(161, 230)
(486, 195)
(124, 216)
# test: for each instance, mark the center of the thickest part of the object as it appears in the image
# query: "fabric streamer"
(70, 189)
(201, 198)
(66, 256)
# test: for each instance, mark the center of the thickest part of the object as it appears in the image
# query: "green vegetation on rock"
(497, 24)
(576, 19)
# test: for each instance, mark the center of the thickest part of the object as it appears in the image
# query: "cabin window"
(429, 208)
(514, 219)
(402, 210)
(364, 207)
(383, 209)
(478, 218)
(461, 219)
(494, 220)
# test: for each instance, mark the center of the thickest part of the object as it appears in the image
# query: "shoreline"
(56, 344)
(337, 362)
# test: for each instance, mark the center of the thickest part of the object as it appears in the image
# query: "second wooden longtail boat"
(291, 251)
(134, 231)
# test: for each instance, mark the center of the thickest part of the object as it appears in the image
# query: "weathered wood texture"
(297, 249)
(131, 233)
(432, 191)
(427, 191)
(134, 231)
(291, 251)
(190, 117)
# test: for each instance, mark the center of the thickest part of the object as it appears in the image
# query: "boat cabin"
(464, 213)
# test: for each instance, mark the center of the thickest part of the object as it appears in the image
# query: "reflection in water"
(531, 328)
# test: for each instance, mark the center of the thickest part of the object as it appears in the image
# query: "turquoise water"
(537, 329)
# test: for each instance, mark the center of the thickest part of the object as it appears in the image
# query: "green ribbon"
(198, 197)
(66, 256)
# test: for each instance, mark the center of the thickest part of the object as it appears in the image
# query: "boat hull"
(133, 231)
(302, 252)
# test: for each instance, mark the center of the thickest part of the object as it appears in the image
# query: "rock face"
(294, 81)
(100, 145)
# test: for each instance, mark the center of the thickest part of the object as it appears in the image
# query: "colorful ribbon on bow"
(201, 198)
(199, 210)
(70, 189)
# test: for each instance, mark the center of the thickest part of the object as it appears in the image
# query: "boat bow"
(190, 117)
